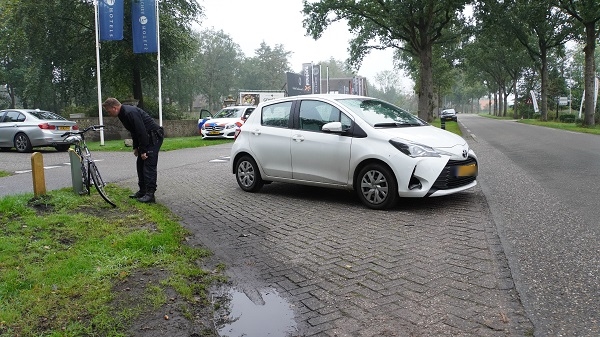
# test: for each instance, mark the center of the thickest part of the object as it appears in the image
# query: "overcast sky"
(249, 22)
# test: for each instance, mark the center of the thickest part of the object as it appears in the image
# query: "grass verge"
(449, 126)
(62, 257)
(169, 144)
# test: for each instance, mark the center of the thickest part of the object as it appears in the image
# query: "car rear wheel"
(22, 143)
(248, 175)
(377, 187)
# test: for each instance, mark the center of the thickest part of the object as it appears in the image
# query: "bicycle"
(88, 167)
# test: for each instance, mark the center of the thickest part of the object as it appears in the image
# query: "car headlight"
(230, 126)
(413, 149)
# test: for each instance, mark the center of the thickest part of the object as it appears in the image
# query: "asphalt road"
(516, 255)
(542, 188)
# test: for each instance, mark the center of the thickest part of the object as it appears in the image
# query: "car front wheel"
(22, 143)
(248, 175)
(377, 187)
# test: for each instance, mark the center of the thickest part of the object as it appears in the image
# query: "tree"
(537, 25)
(219, 63)
(336, 69)
(588, 14)
(266, 70)
(52, 48)
(410, 25)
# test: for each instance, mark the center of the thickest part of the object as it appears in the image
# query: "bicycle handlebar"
(92, 127)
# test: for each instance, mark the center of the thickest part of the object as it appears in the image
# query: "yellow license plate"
(64, 128)
(213, 132)
(466, 170)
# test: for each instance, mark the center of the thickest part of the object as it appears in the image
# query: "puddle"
(254, 314)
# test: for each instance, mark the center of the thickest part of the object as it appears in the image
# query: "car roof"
(328, 97)
(239, 107)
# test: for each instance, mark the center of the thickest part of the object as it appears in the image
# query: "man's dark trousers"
(147, 169)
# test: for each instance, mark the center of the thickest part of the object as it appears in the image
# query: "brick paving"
(429, 267)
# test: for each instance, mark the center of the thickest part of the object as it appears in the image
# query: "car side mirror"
(332, 127)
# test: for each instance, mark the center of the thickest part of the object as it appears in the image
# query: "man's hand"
(135, 153)
(144, 156)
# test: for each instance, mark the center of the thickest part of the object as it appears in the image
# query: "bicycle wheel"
(99, 183)
(85, 178)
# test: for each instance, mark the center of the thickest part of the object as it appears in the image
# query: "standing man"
(147, 139)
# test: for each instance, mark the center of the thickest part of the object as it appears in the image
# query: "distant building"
(349, 85)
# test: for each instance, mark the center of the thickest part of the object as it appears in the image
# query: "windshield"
(230, 113)
(381, 114)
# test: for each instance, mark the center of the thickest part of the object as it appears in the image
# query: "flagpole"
(158, 64)
(98, 72)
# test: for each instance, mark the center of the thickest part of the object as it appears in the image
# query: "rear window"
(40, 114)
(277, 115)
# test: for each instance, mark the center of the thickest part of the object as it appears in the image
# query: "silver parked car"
(25, 129)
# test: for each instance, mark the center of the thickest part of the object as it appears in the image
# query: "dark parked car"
(448, 115)
(25, 129)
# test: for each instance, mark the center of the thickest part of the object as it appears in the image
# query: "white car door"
(318, 156)
(270, 140)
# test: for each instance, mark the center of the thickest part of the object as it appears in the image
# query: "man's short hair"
(111, 102)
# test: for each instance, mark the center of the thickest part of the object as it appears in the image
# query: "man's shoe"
(137, 195)
(147, 198)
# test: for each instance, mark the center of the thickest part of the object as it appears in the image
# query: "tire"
(376, 186)
(248, 175)
(22, 143)
(62, 148)
(99, 183)
(86, 178)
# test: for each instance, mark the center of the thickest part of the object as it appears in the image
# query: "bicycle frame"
(89, 171)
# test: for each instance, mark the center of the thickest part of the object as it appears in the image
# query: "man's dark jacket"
(139, 123)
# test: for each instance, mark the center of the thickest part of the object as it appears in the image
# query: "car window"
(315, 114)
(381, 114)
(230, 113)
(39, 114)
(277, 115)
(247, 113)
(13, 116)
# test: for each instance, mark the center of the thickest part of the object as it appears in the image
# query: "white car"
(350, 142)
(226, 122)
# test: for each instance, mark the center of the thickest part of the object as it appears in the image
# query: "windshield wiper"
(394, 125)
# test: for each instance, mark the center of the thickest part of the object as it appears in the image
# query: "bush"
(567, 118)
(87, 111)
(169, 112)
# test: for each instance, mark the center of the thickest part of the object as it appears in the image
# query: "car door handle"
(256, 132)
(298, 138)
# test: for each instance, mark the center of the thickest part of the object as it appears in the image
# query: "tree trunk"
(500, 102)
(426, 101)
(589, 73)
(544, 106)
(495, 103)
(515, 110)
(137, 84)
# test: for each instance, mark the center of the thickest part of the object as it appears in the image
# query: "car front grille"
(448, 179)
(213, 127)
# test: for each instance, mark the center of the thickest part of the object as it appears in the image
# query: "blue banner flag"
(110, 19)
(143, 25)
